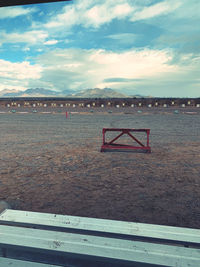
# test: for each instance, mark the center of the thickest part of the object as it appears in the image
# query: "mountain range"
(41, 92)
(87, 93)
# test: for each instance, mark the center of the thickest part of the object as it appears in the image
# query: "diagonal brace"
(134, 138)
(117, 137)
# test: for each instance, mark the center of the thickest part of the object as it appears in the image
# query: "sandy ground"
(52, 164)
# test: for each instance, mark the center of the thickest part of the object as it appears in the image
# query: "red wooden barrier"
(111, 145)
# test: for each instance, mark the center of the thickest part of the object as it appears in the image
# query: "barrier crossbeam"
(112, 145)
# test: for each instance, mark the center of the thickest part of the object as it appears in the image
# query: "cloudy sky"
(147, 47)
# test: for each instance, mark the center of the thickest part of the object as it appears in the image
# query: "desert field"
(52, 164)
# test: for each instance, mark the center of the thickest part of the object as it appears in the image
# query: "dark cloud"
(122, 80)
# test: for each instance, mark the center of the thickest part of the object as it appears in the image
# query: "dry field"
(52, 164)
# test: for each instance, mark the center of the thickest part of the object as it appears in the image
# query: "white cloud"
(13, 12)
(124, 38)
(158, 9)
(51, 42)
(21, 71)
(133, 64)
(26, 49)
(96, 13)
(30, 37)
(106, 12)
(17, 75)
(91, 13)
(12, 86)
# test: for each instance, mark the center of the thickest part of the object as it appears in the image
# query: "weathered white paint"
(86, 244)
(34, 219)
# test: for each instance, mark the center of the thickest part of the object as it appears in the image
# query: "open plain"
(52, 164)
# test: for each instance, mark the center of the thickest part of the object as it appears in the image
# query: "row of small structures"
(93, 105)
(130, 102)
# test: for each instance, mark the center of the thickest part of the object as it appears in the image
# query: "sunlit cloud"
(26, 49)
(17, 75)
(13, 12)
(158, 9)
(91, 14)
(51, 42)
(30, 37)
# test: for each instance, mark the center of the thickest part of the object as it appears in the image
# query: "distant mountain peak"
(100, 93)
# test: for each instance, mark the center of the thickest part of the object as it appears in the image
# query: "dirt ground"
(52, 164)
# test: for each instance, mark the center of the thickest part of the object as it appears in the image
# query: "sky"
(146, 47)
